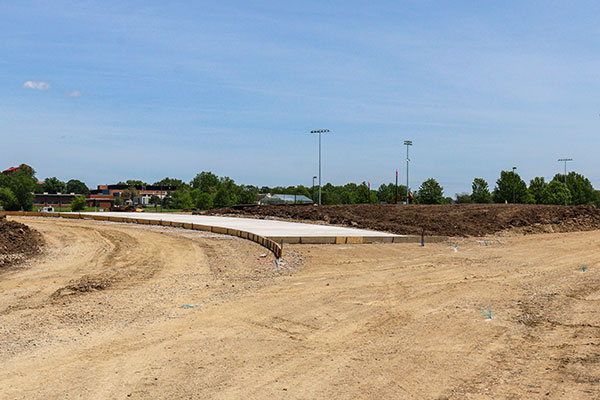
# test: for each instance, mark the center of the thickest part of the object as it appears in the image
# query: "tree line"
(207, 190)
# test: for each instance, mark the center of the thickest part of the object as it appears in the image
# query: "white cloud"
(74, 93)
(36, 85)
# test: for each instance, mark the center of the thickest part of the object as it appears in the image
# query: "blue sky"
(106, 91)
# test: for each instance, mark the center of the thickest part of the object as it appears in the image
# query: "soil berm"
(441, 220)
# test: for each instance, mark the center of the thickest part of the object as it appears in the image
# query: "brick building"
(104, 196)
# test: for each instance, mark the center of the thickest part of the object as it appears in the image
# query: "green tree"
(77, 186)
(462, 198)
(556, 192)
(53, 185)
(8, 200)
(536, 188)
(204, 201)
(430, 192)
(78, 203)
(503, 192)
(481, 192)
(387, 192)
(182, 198)
(363, 194)
(247, 195)
(206, 181)
(222, 198)
(22, 184)
(133, 182)
(177, 183)
(581, 189)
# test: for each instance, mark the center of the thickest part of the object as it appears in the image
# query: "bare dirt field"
(443, 220)
(99, 316)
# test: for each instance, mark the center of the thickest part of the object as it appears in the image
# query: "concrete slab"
(278, 231)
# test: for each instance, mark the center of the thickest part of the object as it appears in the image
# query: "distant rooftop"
(285, 199)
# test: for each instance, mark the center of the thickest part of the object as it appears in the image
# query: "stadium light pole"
(313, 188)
(513, 176)
(565, 160)
(319, 131)
(407, 143)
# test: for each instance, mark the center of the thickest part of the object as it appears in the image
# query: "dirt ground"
(437, 220)
(100, 316)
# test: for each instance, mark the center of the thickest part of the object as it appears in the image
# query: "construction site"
(302, 302)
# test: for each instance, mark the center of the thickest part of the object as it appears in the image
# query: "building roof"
(285, 199)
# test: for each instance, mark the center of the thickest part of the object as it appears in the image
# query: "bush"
(78, 203)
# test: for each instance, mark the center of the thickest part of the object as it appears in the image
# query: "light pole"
(513, 176)
(407, 143)
(319, 131)
(565, 161)
(313, 188)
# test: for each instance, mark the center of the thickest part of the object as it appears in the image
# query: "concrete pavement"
(279, 231)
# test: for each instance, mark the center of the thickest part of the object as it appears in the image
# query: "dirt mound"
(443, 220)
(17, 242)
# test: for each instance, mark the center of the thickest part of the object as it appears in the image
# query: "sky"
(115, 90)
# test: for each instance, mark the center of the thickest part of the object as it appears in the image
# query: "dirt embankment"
(444, 220)
(17, 242)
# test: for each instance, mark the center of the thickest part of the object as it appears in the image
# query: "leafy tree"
(387, 192)
(247, 195)
(204, 201)
(430, 192)
(481, 192)
(363, 194)
(78, 203)
(133, 182)
(182, 198)
(76, 186)
(53, 185)
(503, 192)
(536, 188)
(8, 200)
(581, 189)
(556, 192)
(177, 183)
(22, 184)
(222, 198)
(206, 181)
(462, 198)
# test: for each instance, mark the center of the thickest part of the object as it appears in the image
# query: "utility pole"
(319, 131)
(513, 176)
(407, 143)
(565, 161)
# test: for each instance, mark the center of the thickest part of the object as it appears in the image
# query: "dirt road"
(99, 316)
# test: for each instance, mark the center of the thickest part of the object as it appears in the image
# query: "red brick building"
(105, 195)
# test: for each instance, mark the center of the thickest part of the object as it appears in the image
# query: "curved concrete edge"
(271, 245)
